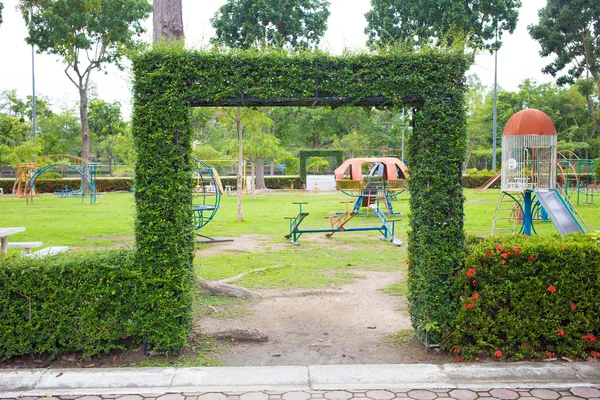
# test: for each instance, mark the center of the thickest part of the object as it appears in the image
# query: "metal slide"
(558, 211)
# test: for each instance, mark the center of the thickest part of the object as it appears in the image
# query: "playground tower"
(529, 152)
(529, 160)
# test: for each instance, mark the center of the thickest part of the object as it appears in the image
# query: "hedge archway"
(169, 81)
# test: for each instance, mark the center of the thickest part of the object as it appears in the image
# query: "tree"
(87, 35)
(167, 20)
(280, 23)
(417, 22)
(106, 124)
(570, 31)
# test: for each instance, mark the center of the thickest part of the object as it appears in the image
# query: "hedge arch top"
(168, 81)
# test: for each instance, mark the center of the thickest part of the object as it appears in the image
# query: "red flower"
(503, 262)
(517, 249)
(474, 282)
(499, 248)
(468, 306)
(455, 349)
(573, 306)
(551, 289)
(561, 332)
(471, 272)
(549, 354)
(505, 254)
(532, 258)
(497, 354)
(590, 337)
(489, 254)
(595, 354)
(475, 296)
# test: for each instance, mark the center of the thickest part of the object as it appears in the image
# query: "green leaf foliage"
(249, 23)
(527, 297)
(421, 22)
(168, 81)
(83, 302)
(569, 31)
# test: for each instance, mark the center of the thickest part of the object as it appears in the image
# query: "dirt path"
(347, 325)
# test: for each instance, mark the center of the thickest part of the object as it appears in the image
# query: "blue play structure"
(529, 187)
(206, 196)
(88, 177)
(339, 222)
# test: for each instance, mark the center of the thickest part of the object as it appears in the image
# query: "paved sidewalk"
(509, 381)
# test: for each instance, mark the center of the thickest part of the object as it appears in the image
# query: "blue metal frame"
(205, 210)
(88, 173)
(386, 228)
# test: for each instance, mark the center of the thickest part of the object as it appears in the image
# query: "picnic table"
(5, 233)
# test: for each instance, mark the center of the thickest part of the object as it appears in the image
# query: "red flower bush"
(595, 354)
(561, 332)
(497, 354)
(471, 272)
(499, 248)
(468, 305)
(551, 289)
(475, 296)
(517, 249)
(590, 336)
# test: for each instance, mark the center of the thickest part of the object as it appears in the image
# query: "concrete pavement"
(510, 381)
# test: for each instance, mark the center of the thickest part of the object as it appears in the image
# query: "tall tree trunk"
(272, 171)
(260, 174)
(240, 132)
(110, 165)
(167, 20)
(85, 126)
(253, 178)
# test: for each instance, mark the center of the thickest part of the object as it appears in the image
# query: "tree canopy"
(86, 34)
(569, 30)
(280, 23)
(418, 22)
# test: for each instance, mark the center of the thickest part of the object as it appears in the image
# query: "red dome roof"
(529, 122)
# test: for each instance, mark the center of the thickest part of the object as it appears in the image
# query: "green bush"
(527, 297)
(54, 185)
(83, 302)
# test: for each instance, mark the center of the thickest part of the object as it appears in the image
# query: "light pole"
(33, 111)
(495, 123)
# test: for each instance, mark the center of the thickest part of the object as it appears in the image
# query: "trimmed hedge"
(54, 185)
(84, 302)
(524, 297)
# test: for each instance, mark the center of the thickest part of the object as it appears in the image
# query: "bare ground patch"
(351, 324)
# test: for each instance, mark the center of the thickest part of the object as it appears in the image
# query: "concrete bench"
(49, 251)
(24, 246)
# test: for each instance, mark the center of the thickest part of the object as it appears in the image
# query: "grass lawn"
(317, 262)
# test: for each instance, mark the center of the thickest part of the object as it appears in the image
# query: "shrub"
(527, 297)
(82, 302)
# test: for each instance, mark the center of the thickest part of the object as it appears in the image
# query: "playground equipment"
(385, 180)
(529, 184)
(206, 195)
(338, 224)
(28, 173)
(577, 176)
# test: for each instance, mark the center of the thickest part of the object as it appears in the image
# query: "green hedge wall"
(528, 297)
(338, 155)
(169, 80)
(83, 302)
(54, 185)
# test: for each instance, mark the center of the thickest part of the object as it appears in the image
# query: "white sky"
(517, 60)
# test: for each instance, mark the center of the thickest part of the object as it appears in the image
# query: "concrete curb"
(16, 383)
